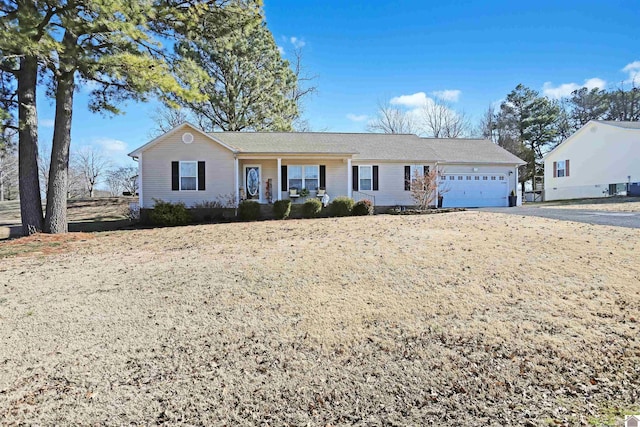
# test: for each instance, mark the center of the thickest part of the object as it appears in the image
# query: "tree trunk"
(56, 217)
(58, 188)
(30, 202)
(1, 181)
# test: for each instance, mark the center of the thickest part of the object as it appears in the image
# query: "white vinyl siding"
(600, 154)
(156, 170)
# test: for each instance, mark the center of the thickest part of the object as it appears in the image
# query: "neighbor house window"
(561, 168)
(304, 177)
(366, 177)
(188, 176)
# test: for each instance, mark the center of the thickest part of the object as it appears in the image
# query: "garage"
(474, 190)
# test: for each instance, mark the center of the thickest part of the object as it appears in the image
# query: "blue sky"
(365, 52)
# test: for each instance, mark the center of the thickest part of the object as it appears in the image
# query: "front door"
(252, 181)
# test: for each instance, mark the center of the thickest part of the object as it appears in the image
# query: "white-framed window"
(365, 177)
(417, 169)
(311, 177)
(188, 176)
(561, 168)
(304, 176)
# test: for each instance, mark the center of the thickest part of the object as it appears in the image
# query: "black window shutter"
(375, 178)
(426, 170)
(323, 176)
(201, 178)
(175, 176)
(284, 178)
(407, 178)
(355, 178)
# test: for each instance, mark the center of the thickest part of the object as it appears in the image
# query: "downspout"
(236, 181)
(437, 183)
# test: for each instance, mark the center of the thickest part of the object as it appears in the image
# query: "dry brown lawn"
(624, 204)
(468, 318)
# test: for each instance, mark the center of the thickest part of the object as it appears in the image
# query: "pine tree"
(530, 126)
(115, 44)
(248, 86)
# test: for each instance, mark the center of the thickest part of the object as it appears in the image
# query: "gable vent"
(187, 138)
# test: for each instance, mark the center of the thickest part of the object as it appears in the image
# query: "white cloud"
(410, 101)
(46, 123)
(281, 50)
(633, 69)
(113, 149)
(565, 89)
(357, 117)
(451, 95)
(297, 43)
(111, 146)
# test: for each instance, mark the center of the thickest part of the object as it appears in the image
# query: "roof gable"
(623, 126)
(136, 153)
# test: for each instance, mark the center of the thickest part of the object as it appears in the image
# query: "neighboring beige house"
(190, 166)
(601, 159)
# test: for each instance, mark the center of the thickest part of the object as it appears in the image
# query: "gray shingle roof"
(289, 142)
(369, 146)
(626, 125)
(471, 151)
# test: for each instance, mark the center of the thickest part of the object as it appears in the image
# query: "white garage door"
(474, 190)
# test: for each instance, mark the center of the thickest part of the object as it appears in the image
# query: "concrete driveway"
(618, 219)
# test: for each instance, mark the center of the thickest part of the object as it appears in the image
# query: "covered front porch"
(266, 179)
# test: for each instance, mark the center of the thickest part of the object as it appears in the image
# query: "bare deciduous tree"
(92, 164)
(425, 187)
(8, 173)
(303, 90)
(123, 180)
(44, 160)
(440, 120)
(166, 118)
(392, 120)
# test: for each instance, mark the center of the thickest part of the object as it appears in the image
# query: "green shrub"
(311, 208)
(169, 214)
(362, 208)
(248, 210)
(281, 209)
(341, 206)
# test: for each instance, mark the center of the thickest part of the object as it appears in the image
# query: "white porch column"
(349, 179)
(236, 179)
(517, 188)
(279, 183)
